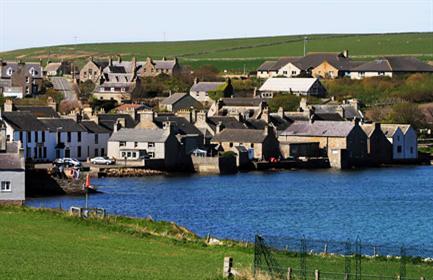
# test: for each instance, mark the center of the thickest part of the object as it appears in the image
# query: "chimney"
(163, 58)
(346, 53)
(355, 121)
(168, 125)
(40, 61)
(90, 58)
(201, 117)
(311, 120)
(146, 115)
(52, 103)
(119, 58)
(120, 122)
(134, 63)
(219, 127)
(196, 80)
(255, 92)
(304, 104)
(9, 105)
(377, 126)
(265, 114)
(270, 129)
(340, 111)
(3, 137)
(354, 103)
(110, 61)
(280, 112)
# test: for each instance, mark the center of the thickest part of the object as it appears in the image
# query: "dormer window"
(9, 71)
(32, 71)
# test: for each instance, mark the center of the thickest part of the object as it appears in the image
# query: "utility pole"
(305, 44)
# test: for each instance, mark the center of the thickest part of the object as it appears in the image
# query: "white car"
(72, 161)
(102, 160)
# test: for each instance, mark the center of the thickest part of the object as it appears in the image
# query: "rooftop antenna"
(305, 44)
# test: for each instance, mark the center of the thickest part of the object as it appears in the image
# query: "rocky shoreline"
(129, 172)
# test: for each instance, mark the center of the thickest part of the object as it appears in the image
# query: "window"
(43, 136)
(69, 136)
(35, 152)
(411, 150)
(96, 152)
(381, 73)
(135, 144)
(27, 80)
(29, 137)
(79, 136)
(67, 153)
(252, 145)
(45, 152)
(20, 136)
(123, 154)
(5, 186)
(79, 151)
(36, 137)
(151, 154)
(102, 151)
(399, 149)
(27, 90)
(96, 138)
(231, 144)
(122, 143)
(9, 71)
(285, 72)
(151, 144)
(85, 73)
(122, 89)
(128, 154)
(134, 154)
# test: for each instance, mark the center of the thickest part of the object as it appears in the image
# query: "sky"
(37, 23)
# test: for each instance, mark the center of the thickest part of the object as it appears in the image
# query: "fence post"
(346, 276)
(228, 265)
(289, 274)
(422, 278)
(317, 274)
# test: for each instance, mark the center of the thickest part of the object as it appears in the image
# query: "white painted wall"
(117, 152)
(289, 70)
(362, 75)
(17, 179)
(410, 144)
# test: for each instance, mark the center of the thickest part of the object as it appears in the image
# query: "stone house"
(379, 149)
(153, 68)
(179, 101)
(20, 78)
(261, 144)
(12, 171)
(201, 90)
(332, 111)
(92, 70)
(297, 86)
(345, 143)
(59, 68)
(145, 143)
(403, 139)
(131, 109)
(236, 107)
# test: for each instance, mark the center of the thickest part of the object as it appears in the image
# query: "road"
(63, 85)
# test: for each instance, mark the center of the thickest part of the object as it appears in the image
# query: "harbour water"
(387, 205)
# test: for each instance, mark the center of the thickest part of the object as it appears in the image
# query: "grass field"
(234, 54)
(48, 244)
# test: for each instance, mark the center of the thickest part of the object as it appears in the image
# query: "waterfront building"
(12, 171)
(96, 139)
(403, 139)
(345, 143)
(379, 149)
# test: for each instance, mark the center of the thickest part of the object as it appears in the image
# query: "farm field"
(237, 54)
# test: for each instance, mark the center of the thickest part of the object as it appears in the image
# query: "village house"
(96, 139)
(403, 139)
(145, 143)
(20, 79)
(12, 171)
(66, 138)
(201, 90)
(345, 143)
(117, 81)
(153, 68)
(92, 70)
(31, 133)
(179, 101)
(38, 111)
(235, 107)
(112, 121)
(297, 86)
(333, 111)
(59, 68)
(131, 109)
(379, 149)
(390, 66)
(281, 67)
(261, 144)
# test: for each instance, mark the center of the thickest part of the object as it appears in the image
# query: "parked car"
(72, 162)
(102, 160)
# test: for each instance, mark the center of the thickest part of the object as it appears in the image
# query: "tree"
(407, 113)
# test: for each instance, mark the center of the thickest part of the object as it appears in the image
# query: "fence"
(301, 258)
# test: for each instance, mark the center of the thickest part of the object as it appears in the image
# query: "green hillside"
(234, 54)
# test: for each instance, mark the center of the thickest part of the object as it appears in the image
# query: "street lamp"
(305, 44)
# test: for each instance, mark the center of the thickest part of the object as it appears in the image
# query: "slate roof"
(108, 120)
(164, 64)
(312, 60)
(28, 66)
(390, 129)
(242, 101)
(206, 86)
(288, 84)
(23, 121)
(117, 69)
(183, 126)
(101, 64)
(275, 65)
(172, 99)
(227, 122)
(92, 127)
(350, 111)
(319, 128)
(128, 107)
(395, 64)
(368, 128)
(62, 125)
(53, 66)
(280, 123)
(267, 65)
(38, 111)
(328, 117)
(156, 135)
(240, 136)
(11, 161)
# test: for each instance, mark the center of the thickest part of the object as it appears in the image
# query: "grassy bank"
(235, 54)
(42, 244)
(48, 244)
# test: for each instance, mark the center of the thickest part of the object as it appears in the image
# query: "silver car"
(102, 160)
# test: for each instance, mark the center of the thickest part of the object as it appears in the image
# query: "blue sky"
(32, 23)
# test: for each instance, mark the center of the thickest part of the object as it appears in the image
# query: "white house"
(403, 139)
(33, 135)
(282, 67)
(96, 138)
(297, 86)
(12, 171)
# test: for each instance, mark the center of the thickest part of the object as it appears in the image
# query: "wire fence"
(301, 258)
